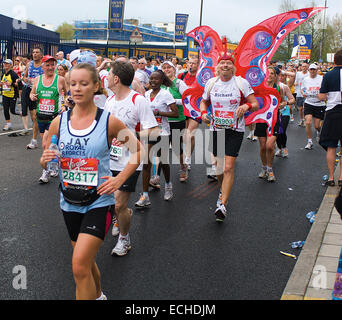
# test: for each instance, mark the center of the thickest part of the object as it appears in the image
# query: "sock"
(126, 237)
(310, 140)
(168, 184)
(264, 168)
(269, 169)
(145, 194)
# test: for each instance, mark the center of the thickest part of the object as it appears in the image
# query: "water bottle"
(297, 244)
(325, 177)
(312, 220)
(311, 214)
(53, 164)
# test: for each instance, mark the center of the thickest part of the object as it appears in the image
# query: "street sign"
(136, 36)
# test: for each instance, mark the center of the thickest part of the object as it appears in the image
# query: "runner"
(163, 105)
(177, 123)
(300, 76)
(331, 133)
(10, 92)
(267, 144)
(314, 109)
(228, 123)
(46, 90)
(285, 115)
(33, 70)
(86, 197)
(131, 108)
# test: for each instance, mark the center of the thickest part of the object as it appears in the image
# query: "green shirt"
(176, 95)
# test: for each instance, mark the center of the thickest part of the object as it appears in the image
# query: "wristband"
(250, 106)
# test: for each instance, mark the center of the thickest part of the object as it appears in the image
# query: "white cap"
(169, 63)
(74, 55)
(9, 61)
(313, 66)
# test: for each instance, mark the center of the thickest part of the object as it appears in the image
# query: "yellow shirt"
(7, 91)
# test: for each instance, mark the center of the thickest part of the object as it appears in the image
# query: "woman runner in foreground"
(84, 136)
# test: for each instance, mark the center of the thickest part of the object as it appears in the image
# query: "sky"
(227, 17)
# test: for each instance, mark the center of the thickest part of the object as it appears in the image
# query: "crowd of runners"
(117, 119)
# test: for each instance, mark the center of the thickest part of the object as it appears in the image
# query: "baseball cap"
(47, 58)
(74, 55)
(9, 61)
(169, 63)
(313, 66)
(87, 57)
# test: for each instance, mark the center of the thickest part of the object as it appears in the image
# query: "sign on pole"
(303, 41)
(136, 36)
(116, 14)
(180, 26)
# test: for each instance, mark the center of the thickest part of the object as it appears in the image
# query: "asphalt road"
(178, 250)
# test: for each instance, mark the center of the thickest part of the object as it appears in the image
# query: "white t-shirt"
(100, 100)
(103, 75)
(142, 76)
(311, 88)
(225, 98)
(161, 102)
(132, 110)
(300, 76)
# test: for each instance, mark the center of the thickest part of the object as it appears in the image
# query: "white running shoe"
(279, 153)
(54, 173)
(122, 246)
(168, 193)
(143, 202)
(155, 182)
(187, 161)
(221, 213)
(45, 177)
(32, 145)
(102, 297)
(263, 174)
(309, 146)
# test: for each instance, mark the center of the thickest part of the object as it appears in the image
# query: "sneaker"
(45, 177)
(255, 138)
(309, 146)
(54, 173)
(291, 118)
(24, 132)
(270, 176)
(318, 136)
(301, 123)
(168, 193)
(263, 174)
(279, 153)
(285, 153)
(102, 297)
(183, 177)
(7, 127)
(155, 182)
(143, 202)
(250, 136)
(32, 145)
(220, 213)
(122, 246)
(115, 230)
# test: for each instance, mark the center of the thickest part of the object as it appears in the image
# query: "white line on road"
(9, 132)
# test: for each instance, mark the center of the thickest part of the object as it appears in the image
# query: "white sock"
(168, 184)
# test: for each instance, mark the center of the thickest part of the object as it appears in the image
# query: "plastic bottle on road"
(53, 164)
(311, 214)
(297, 244)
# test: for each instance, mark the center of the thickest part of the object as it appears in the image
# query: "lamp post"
(323, 32)
(201, 12)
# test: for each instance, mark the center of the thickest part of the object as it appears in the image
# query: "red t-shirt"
(188, 79)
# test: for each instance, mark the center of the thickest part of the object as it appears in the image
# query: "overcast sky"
(228, 17)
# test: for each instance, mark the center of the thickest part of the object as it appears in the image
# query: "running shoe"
(24, 132)
(270, 176)
(168, 193)
(102, 297)
(45, 177)
(155, 182)
(188, 162)
(54, 173)
(279, 153)
(309, 146)
(250, 136)
(318, 136)
(183, 177)
(221, 213)
(32, 145)
(115, 230)
(263, 174)
(219, 200)
(122, 246)
(301, 123)
(285, 153)
(7, 127)
(143, 202)
(291, 119)
(254, 138)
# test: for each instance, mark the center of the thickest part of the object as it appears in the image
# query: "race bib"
(224, 119)
(116, 151)
(5, 87)
(81, 172)
(47, 106)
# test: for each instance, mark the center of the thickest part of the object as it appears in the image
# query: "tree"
(66, 31)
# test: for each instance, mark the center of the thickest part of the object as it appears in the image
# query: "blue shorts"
(43, 126)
